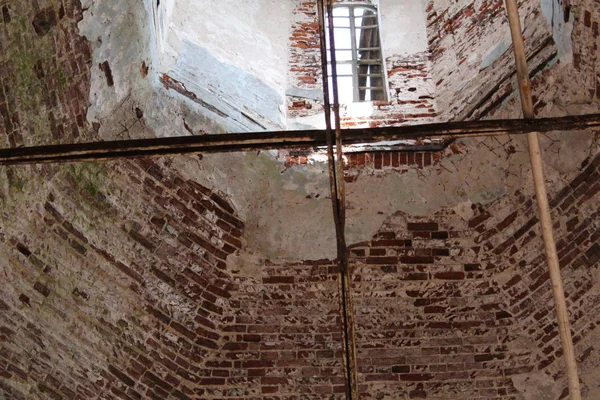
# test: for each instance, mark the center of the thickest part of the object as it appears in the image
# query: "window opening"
(359, 60)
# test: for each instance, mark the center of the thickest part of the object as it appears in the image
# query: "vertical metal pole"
(336, 115)
(354, 47)
(564, 326)
(345, 278)
(336, 176)
(328, 129)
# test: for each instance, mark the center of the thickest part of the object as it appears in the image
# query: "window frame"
(355, 61)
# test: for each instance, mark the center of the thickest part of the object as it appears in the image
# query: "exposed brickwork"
(401, 161)
(431, 322)
(514, 241)
(585, 47)
(118, 279)
(461, 34)
(441, 303)
(44, 73)
(165, 316)
(305, 56)
(444, 305)
(178, 237)
(288, 330)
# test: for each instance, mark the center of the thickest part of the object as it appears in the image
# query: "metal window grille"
(359, 61)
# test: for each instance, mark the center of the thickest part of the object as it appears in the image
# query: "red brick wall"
(290, 315)
(162, 316)
(431, 323)
(577, 226)
(440, 303)
(154, 311)
(443, 305)
(375, 161)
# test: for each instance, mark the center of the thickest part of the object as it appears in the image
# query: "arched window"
(358, 54)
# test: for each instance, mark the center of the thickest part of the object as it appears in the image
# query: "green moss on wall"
(17, 182)
(90, 178)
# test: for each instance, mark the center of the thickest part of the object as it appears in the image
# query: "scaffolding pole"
(564, 326)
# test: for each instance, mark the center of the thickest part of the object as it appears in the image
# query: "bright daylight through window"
(358, 54)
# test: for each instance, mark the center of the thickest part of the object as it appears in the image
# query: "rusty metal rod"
(302, 139)
(337, 192)
(329, 135)
(336, 115)
(564, 326)
(345, 279)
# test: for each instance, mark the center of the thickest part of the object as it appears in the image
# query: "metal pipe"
(329, 134)
(337, 194)
(336, 115)
(347, 314)
(564, 326)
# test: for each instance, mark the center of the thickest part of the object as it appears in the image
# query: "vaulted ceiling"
(213, 276)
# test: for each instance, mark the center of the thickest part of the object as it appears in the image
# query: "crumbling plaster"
(238, 55)
(403, 26)
(252, 35)
(288, 211)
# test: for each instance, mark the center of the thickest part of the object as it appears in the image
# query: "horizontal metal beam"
(304, 139)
